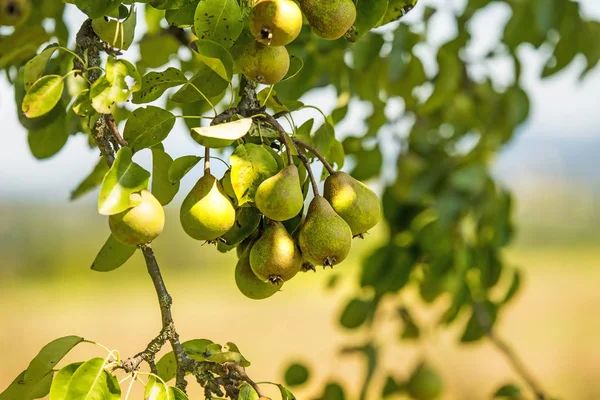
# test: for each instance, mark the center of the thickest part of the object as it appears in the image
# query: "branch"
(313, 181)
(486, 324)
(316, 153)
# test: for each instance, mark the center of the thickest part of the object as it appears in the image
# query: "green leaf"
(514, 287)
(147, 127)
(82, 106)
(34, 69)
(156, 390)
(112, 255)
(222, 135)
(333, 391)
(93, 180)
(368, 14)
(285, 393)
(474, 331)
(396, 10)
(162, 188)
(219, 20)
(116, 33)
(22, 45)
(196, 349)
(181, 166)
(97, 8)
(169, 4)
(20, 390)
(91, 381)
(123, 179)
(154, 84)
(251, 164)
(247, 392)
(48, 357)
(60, 384)
(47, 140)
(509, 391)
(446, 84)
(356, 313)
(42, 96)
(156, 50)
(182, 17)
(296, 374)
(112, 88)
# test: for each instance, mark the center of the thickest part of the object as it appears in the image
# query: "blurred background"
(47, 244)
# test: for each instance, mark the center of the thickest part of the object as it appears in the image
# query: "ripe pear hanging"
(248, 283)
(264, 64)
(274, 256)
(276, 22)
(280, 197)
(141, 223)
(358, 205)
(325, 238)
(207, 213)
(329, 19)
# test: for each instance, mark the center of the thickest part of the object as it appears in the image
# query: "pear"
(248, 283)
(325, 238)
(274, 256)
(264, 64)
(358, 205)
(207, 212)
(141, 223)
(276, 22)
(246, 222)
(14, 12)
(280, 197)
(329, 19)
(425, 383)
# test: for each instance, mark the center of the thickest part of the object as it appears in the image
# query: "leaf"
(368, 14)
(181, 166)
(446, 84)
(182, 17)
(124, 178)
(162, 188)
(285, 393)
(509, 391)
(47, 140)
(34, 69)
(156, 390)
(147, 127)
(19, 390)
(474, 331)
(296, 374)
(42, 96)
(90, 381)
(169, 4)
(116, 33)
(514, 287)
(355, 313)
(154, 84)
(97, 8)
(22, 45)
(156, 50)
(219, 20)
(112, 255)
(251, 164)
(222, 135)
(247, 392)
(93, 180)
(195, 349)
(296, 65)
(48, 357)
(112, 88)
(396, 10)
(60, 384)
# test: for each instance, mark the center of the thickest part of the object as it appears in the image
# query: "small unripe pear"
(274, 256)
(207, 212)
(14, 12)
(141, 223)
(425, 383)
(329, 19)
(280, 197)
(264, 64)
(325, 238)
(276, 22)
(358, 205)
(251, 286)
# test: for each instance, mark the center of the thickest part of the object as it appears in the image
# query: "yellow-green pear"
(280, 196)
(324, 238)
(248, 283)
(141, 223)
(264, 64)
(207, 212)
(329, 19)
(276, 22)
(14, 12)
(274, 257)
(358, 205)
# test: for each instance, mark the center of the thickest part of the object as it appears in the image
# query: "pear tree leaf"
(47, 140)
(181, 166)
(112, 255)
(123, 179)
(20, 390)
(162, 188)
(43, 95)
(219, 20)
(154, 84)
(112, 88)
(296, 65)
(91, 381)
(251, 164)
(222, 135)
(97, 8)
(34, 69)
(510, 391)
(93, 180)
(114, 32)
(247, 392)
(45, 361)
(147, 127)
(60, 384)
(196, 349)
(368, 14)
(182, 17)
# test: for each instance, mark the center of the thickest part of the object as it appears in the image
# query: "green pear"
(246, 222)
(425, 383)
(207, 212)
(274, 256)
(325, 238)
(141, 223)
(329, 19)
(358, 205)
(248, 283)
(280, 196)
(276, 22)
(264, 64)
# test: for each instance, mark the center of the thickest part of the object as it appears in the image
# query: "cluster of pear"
(14, 12)
(277, 23)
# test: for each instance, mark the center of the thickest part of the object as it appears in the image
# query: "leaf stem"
(284, 137)
(311, 176)
(316, 153)
(205, 98)
(206, 160)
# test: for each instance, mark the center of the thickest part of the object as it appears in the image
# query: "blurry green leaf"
(470, 178)
(82, 106)
(97, 8)
(368, 164)
(446, 83)
(34, 69)
(296, 65)
(169, 4)
(247, 392)
(43, 95)
(514, 287)
(411, 330)
(154, 84)
(296, 374)
(45, 361)
(22, 45)
(167, 365)
(181, 166)
(333, 391)
(221, 135)
(391, 387)
(356, 313)
(219, 20)
(509, 391)
(47, 140)
(387, 269)
(112, 255)
(162, 188)
(93, 180)
(156, 390)
(147, 127)
(251, 164)
(157, 49)
(123, 179)
(474, 331)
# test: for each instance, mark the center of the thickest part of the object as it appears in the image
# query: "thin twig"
(316, 153)
(114, 129)
(282, 135)
(311, 176)
(206, 160)
(242, 373)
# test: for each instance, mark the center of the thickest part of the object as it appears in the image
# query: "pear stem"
(311, 176)
(316, 153)
(206, 160)
(285, 139)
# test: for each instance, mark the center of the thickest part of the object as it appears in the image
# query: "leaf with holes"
(219, 20)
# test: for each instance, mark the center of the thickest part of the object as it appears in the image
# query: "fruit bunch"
(273, 239)
(276, 23)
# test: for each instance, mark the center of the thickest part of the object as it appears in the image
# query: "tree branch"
(316, 153)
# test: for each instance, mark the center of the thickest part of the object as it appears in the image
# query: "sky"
(562, 107)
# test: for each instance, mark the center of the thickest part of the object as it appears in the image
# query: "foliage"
(448, 219)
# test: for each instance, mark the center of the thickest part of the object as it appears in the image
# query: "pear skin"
(330, 19)
(141, 223)
(248, 283)
(274, 256)
(325, 238)
(358, 205)
(276, 22)
(280, 197)
(207, 212)
(264, 64)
